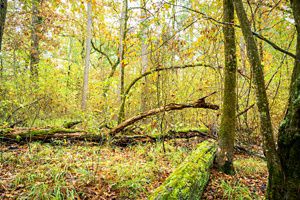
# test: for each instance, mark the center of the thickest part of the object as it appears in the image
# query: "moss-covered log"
(124, 141)
(189, 179)
(71, 124)
(25, 134)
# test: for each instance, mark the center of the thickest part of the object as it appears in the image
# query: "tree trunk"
(200, 103)
(190, 178)
(273, 162)
(36, 22)
(228, 121)
(123, 30)
(289, 132)
(3, 7)
(144, 47)
(87, 56)
(3, 11)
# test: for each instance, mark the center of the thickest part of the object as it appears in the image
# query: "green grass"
(250, 166)
(239, 187)
(235, 191)
(249, 181)
(44, 171)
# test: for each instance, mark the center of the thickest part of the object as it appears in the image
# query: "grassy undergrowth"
(84, 171)
(44, 171)
(248, 183)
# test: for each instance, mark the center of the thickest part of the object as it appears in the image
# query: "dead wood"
(124, 141)
(27, 134)
(200, 103)
(22, 135)
(71, 124)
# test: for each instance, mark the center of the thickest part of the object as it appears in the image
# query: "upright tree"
(228, 119)
(36, 22)
(123, 31)
(144, 53)
(273, 162)
(289, 132)
(87, 56)
(3, 10)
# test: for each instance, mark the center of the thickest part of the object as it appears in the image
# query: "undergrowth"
(85, 171)
(44, 171)
(249, 181)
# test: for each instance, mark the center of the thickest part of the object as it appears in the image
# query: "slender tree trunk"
(3, 11)
(228, 121)
(289, 132)
(3, 7)
(144, 47)
(87, 56)
(36, 22)
(123, 30)
(69, 58)
(273, 162)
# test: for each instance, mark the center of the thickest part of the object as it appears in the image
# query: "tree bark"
(289, 132)
(25, 134)
(273, 162)
(3, 11)
(144, 51)
(123, 30)
(3, 7)
(173, 106)
(36, 22)
(225, 151)
(87, 56)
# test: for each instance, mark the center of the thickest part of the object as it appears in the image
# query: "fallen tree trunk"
(124, 141)
(71, 124)
(48, 135)
(173, 106)
(25, 134)
(190, 178)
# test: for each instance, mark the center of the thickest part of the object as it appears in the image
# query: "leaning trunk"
(273, 162)
(228, 120)
(289, 132)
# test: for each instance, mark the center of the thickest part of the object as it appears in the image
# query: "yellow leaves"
(125, 62)
(166, 6)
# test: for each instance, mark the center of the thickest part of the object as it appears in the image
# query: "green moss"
(41, 132)
(189, 179)
(250, 166)
(50, 131)
(5, 130)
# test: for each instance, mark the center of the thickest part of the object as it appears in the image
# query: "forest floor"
(89, 171)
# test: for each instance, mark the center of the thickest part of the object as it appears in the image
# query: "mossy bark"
(36, 23)
(19, 135)
(123, 32)
(274, 167)
(289, 132)
(3, 10)
(228, 120)
(190, 178)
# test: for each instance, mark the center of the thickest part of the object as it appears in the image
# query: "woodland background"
(99, 62)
